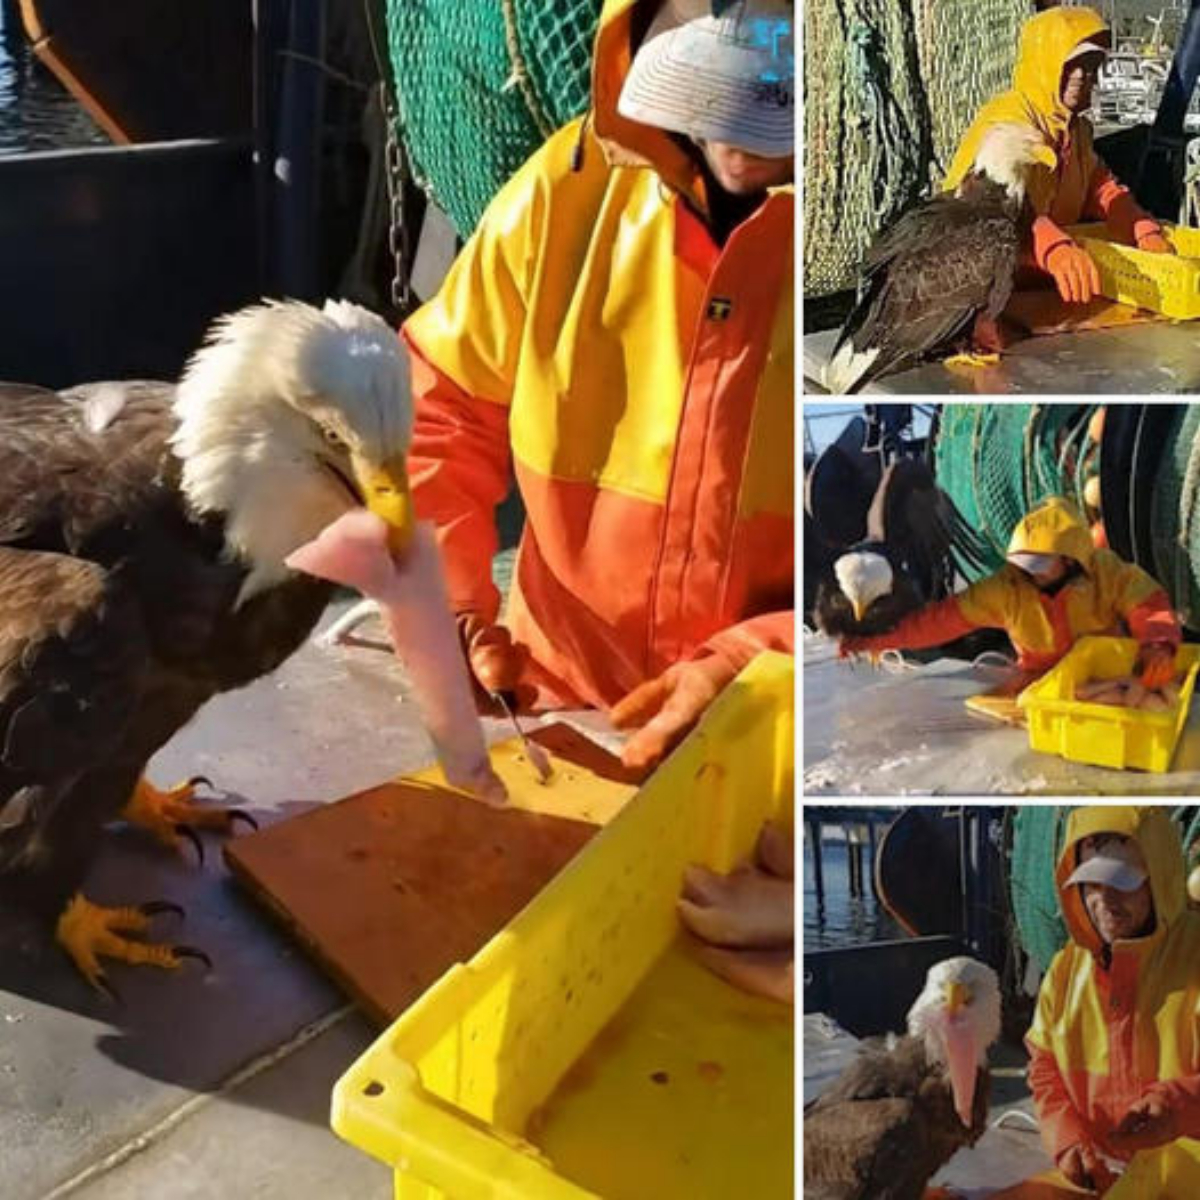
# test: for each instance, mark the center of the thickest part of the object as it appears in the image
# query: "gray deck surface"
(874, 731)
(1133, 360)
(218, 1085)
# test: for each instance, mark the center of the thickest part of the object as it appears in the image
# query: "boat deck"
(901, 730)
(1147, 359)
(207, 1085)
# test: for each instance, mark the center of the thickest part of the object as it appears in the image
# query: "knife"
(537, 756)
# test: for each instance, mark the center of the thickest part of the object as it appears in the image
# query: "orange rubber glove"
(663, 710)
(1084, 1167)
(1155, 664)
(1150, 1122)
(1155, 242)
(1074, 272)
(495, 660)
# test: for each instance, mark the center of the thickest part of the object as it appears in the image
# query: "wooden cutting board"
(390, 887)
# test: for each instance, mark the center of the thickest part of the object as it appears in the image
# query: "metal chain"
(396, 174)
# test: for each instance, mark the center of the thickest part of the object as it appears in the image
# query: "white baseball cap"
(1110, 859)
(720, 78)
(1086, 48)
(1035, 564)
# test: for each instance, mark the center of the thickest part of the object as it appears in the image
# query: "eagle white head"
(863, 576)
(958, 1016)
(289, 416)
(1008, 152)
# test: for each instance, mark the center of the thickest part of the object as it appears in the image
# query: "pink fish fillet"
(962, 1062)
(412, 594)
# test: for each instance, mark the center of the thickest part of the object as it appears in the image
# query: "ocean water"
(843, 920)
(36, 111)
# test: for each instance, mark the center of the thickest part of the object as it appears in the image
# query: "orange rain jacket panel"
(1041, 627)
(1108, 1033)
(1081, 187)
(637, 378)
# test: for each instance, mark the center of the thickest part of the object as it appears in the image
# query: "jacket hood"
(629, 142)
(1162, 848)
(1046, 41)
(1055, 527)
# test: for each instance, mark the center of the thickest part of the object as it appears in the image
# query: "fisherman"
(618, 333)
(1058, 61)
(1055, 587)
(1115, 1057)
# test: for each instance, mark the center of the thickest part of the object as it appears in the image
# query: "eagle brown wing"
(923, 529)
(928, 277)
(72, 661)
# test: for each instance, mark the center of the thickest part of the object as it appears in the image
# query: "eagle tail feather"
(848, 368)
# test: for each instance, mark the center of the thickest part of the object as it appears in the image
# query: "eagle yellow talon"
(972, 360)
(173, 814)
(87, 932)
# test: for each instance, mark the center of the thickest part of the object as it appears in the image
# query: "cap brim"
(1085, 48)
(1035, 564)
(1122, 876)
(694, 81)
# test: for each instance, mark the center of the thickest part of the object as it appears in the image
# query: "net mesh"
(997, 461)
(479, 86)
(889, 88)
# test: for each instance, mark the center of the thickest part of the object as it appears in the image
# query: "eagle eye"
(334, 438)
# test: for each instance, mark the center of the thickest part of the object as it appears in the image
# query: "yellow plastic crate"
(1162, 283)
(1101, 733)
(1170, 1172)
(694, 1094)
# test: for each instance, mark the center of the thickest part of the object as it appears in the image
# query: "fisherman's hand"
(496, 662)
(1085, 1168)
(1074, 272)
(1149, 1122)
(1155, 665)
(663, 710)
(1155, 243)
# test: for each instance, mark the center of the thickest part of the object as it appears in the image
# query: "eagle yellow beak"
(385, 489)
(1045, 156)
(956, 997)
(858, 608)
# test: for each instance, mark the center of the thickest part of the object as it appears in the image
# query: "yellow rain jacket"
(1115, 1024)
(1080, 187)
(1043, 627)
(594, 340)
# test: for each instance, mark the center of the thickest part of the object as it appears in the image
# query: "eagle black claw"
(197, 780)
(192, 952)
(236, 814)
(188, 832)
(153, 907)
(106, 989)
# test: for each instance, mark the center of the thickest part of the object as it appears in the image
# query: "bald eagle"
(916, 540)
(943, 264)
(899, 1111)
(143, 532)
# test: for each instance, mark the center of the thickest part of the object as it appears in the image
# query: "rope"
(520, 72)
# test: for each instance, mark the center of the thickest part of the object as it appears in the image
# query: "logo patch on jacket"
(719, 308)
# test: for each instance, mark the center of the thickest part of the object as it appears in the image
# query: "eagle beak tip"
(386, 492)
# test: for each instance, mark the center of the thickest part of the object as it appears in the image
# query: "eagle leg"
(172, 815)
(86, 931)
